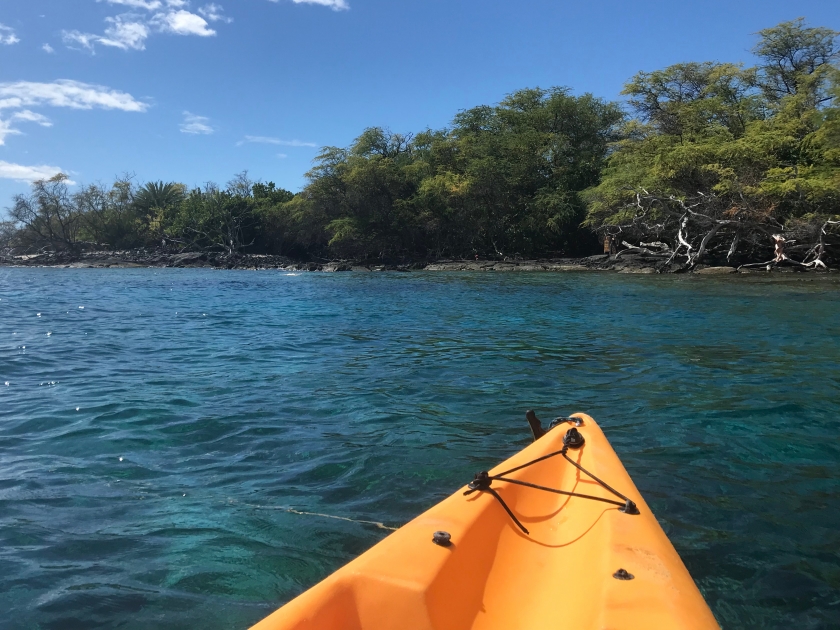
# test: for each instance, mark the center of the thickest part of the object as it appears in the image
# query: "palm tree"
(158, 195)
(154, 203)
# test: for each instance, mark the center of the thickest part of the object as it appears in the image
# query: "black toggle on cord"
(573, 439)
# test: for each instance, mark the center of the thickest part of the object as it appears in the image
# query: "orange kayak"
(565, 541)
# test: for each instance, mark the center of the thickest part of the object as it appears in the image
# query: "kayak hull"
(496, 577)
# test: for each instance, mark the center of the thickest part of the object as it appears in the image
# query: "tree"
(524, 163)
(158, 195)
(8, 238)
(215, 219)
(715, 162)
(276, 223)
(795, 57)
(504, 180)
(156, 205)
(109, 216)
(48, 218)
(361, 197)
(688, 100)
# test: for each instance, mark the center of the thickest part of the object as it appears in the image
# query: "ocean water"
(156, 427)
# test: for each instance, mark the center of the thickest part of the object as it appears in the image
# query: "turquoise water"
(150, 441)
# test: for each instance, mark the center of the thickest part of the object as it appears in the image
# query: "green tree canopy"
(720, 157)
(503, 180)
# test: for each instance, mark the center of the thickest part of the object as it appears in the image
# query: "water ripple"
(165, 450)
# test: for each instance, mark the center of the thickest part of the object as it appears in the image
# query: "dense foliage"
(159, 215)
(503, 180)
(713, 160)
(719, 158)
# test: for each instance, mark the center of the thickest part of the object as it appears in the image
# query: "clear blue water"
(150, 441)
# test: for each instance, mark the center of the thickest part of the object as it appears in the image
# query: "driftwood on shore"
(708, 230)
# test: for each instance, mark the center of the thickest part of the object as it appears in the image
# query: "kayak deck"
(494, 576)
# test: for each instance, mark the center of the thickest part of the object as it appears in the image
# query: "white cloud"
(129, 31)
(85, 40)
(125, 32)
(66, 93)
(7, 35)
(21, 173)
(21, 95)
(335, 5)
(47, 48)
(6, 129)
(213, 12)
(29, 116)
(149, 5)
(277, 141)
(183, 23)
(196, 125)
(282, 156)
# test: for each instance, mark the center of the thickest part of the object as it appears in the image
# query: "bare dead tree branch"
(694, 225)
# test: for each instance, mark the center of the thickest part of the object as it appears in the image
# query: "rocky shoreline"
(635, 263)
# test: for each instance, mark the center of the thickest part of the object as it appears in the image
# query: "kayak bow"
(557, 536)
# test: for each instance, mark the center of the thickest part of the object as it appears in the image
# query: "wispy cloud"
(27, 115)
(7, 35)
(6, 129)
(47, 48)
(277, 141)
(19, 96)
(76, 38)
(21, 173)
(129, 31)
(149, 5)
(124, 33)
(196, 125)
(335, 5)
(213, 12)
(282, 156)
(66, 93)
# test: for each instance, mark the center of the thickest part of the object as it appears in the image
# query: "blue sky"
(196, 91)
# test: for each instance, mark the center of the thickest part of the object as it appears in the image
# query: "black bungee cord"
(574, 440)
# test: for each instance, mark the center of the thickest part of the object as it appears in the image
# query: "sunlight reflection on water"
(137, 484)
